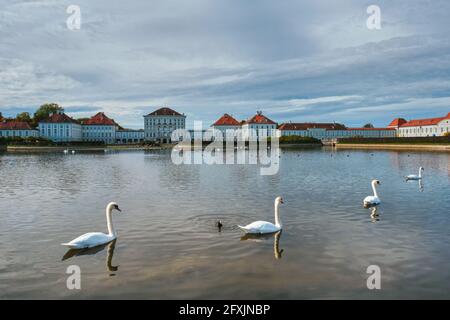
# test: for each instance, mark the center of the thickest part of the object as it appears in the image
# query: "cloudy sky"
(295, 60)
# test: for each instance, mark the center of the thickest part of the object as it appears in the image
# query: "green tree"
(1, 117)
(23, 116)
(81, 120)
(45, 110)
(368, 125)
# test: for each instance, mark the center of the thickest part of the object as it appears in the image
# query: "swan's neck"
(277, 216)
(374, 190)
(111, 230)
(420, 173)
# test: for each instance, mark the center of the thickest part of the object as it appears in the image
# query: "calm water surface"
(169, 247)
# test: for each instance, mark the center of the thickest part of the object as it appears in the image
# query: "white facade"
(431, 127)
(6, 132)
(425, 131)
(100, 128)
(226, 125)
(330, 133)
(224, 129)
(159, 125)
(60, 132)
(60, 128)
(103, 133)
(259, 125)
(129, 136)
(253, 131)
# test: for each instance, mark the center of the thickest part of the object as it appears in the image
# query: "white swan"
(370, 201)
(415, 177)
(93, 239)
(263, 226)
(66, 151)
(73, 151)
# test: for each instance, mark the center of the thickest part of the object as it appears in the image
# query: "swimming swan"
(93, 239)
(370, 201)
(263, 226)
(415, 177)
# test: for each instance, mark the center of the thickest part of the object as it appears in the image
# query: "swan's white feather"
(260, 227)
(371, 200)
(413, 177)
(89, 240)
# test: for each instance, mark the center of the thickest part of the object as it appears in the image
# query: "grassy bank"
(41, 142)
(398, 147)
(397, 141)
(415, 143)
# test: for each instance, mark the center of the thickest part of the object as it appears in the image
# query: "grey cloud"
(206, 57)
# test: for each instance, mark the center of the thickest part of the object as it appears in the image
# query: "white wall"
(19, 133)
(161, 127)
(334, 134)
(253, 130)
(420, 131)
(129, 136)
(104, 133)
(60, 132)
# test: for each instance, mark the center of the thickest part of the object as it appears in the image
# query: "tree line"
(42, 113)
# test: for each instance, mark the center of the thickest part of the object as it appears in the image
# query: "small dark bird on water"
(219, 224)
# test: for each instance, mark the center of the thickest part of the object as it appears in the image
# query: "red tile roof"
(259, 118)
(397, 122)
(15, 125)
(59, 118)
(400, 122)
(370, 129)
(423, 122)
(165, 112)
(227, 120)
(306, 126)
(100, 119)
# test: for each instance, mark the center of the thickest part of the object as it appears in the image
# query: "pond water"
(169, 247)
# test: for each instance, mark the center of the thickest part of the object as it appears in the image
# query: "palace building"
(59, 127)
(159, 125)
(226, 124)
(259, 125)
(429, 127)
(100, 128)
(17, 129)
(332, 131)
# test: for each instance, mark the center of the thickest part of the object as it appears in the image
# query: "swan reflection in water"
(374, 215)
(260, 237)
(92, 251)
(419, 183)
(421, 187)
